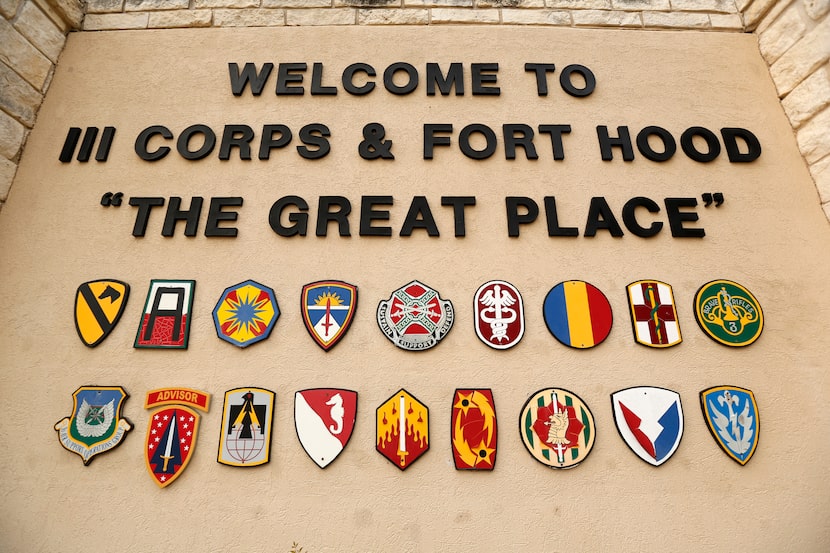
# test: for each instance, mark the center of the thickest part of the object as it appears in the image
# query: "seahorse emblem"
(337, 413)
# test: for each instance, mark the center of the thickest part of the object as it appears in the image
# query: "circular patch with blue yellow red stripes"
(578, 314)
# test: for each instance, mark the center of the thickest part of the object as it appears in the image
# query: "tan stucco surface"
(769, 235)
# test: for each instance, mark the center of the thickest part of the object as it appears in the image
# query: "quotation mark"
(708, 197)
(110, 199)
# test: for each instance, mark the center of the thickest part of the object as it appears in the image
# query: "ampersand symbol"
(373, 146)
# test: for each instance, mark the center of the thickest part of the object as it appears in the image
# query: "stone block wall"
(794, 38)
(32, 35)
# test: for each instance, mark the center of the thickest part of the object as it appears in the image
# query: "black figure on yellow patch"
(98, 307)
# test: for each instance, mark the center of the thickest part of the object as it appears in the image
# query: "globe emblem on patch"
(245, 443)
(247, 418)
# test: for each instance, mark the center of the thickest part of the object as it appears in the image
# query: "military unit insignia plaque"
(328, 308)
(728, 313)
(246, 313)
(415, 318)
(499, 314)
(653, 314)
(731, 413)
(555, 425)
(474, 429)
(99, 305)
(402, 432)
(578, 314)
(247, 419)
(324, 419)
(557, 428)
(172, 431)
(96, 425)
(165, 321)
(650, 421)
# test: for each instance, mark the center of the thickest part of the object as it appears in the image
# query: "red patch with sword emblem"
(171, 432)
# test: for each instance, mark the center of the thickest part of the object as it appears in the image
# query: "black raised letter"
(518, 135)
(622, 141)
(629, 215)
(314, 135)
(174, 214)
(568, 86)
(183, 143)
(144, 205)
(299, 220)
(341, 216)
(514, 218)
(367, 215)
(249, 75)
(669, 145)
(677, 218)
(236, 136)
(688, 145)
(348, 79)
(144, 137)
(729, 135)
(430, 140)
(285, 75)
(419, 216)
(600, 217)
(454, 78)
(556, 132)
(317, 87)
(458, 203)
(553, 220)
(480, 77)
(268, 143)
(541, 69)
(389, 78)
(215, 214)
(489, 137)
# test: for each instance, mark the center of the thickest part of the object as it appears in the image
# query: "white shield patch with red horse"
(324, 419)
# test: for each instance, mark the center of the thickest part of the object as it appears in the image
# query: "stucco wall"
(56, 235)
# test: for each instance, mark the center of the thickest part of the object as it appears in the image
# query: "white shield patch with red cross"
(653, 314)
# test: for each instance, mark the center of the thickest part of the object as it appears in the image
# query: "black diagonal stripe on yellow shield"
(98, 307)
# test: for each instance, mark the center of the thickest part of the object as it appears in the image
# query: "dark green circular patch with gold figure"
(728, 313)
